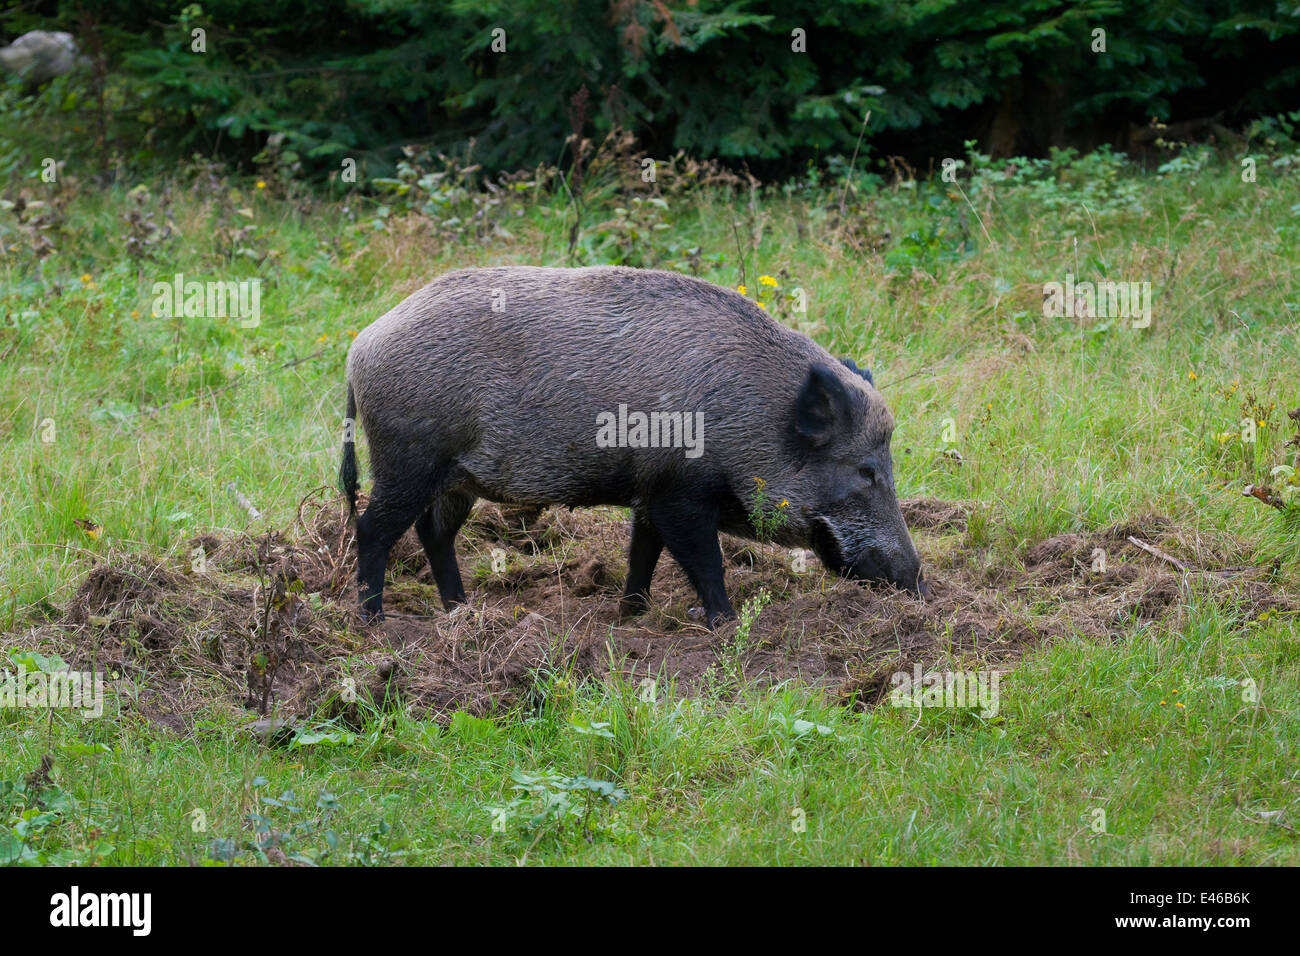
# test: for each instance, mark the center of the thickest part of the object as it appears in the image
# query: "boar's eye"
(868, 474)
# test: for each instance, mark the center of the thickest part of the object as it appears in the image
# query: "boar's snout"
(898, 565)
(870, 553)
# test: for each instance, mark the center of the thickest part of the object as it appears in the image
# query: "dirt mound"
(268, 625)
(933, 514)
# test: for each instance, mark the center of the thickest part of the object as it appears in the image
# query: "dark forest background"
(715, 78)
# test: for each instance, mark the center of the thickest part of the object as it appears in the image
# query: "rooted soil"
(268, 626)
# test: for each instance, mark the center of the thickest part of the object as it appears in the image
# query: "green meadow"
(126, 431)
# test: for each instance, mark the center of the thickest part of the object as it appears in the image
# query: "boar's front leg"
(437, 529)
(689, 528)
(643, 555)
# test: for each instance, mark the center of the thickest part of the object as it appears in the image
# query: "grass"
(1060, 424)
(1082, 729)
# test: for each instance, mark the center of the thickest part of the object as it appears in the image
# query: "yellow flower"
(1179, 704)
(351, 333)
(768, 280)
(762, 305)
(741, 289)
(135, 313)
(261, 184)
(1191, 376)
(323, 337)
(86, 277)
(784, 503)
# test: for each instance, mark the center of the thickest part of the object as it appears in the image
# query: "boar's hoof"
(632, 605)
(718, 618)
(714, 619)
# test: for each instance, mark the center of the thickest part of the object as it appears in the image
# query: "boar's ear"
(852, 366)
(823, 406)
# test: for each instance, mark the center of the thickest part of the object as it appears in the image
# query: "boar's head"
(841, 433)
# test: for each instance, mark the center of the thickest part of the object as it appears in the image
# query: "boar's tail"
(348, 469)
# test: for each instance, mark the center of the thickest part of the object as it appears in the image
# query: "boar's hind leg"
(643, 555)
(394, 505)
(690, 530)
(437, 529)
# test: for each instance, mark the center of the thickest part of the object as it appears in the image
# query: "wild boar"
(668, 395)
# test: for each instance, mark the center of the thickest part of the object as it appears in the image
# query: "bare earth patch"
(268, 625)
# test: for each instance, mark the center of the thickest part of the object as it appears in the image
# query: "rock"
(40, 55)
(273, 731)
